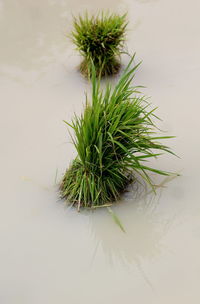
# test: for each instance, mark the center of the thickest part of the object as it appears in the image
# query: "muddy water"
(52, 254)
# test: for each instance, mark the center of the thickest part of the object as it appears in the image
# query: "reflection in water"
(144, 225)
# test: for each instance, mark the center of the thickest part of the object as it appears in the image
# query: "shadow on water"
(145, 229)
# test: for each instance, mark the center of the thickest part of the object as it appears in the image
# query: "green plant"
(114, 137)
(100, 38)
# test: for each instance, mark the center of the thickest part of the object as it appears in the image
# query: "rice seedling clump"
(100, 39)
(114, 138)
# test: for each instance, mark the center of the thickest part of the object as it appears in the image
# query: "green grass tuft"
(100, 39)
(114, 139)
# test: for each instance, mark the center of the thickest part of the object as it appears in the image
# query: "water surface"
(49, 253)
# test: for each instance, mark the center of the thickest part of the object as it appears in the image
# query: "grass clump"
(114, 137)
(100, 39)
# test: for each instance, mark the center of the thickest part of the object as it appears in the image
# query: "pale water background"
(50, 254)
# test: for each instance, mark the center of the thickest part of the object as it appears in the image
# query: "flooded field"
(50, 253)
